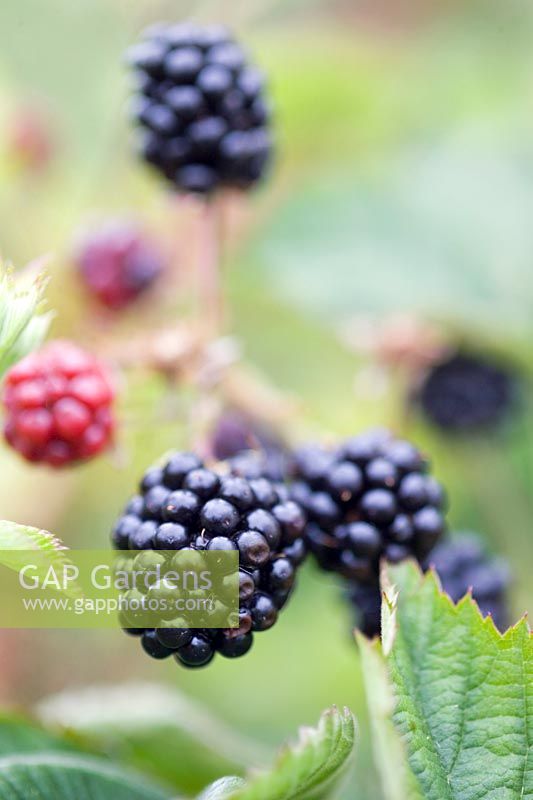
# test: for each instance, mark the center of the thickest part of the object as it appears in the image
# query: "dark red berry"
(118, 263)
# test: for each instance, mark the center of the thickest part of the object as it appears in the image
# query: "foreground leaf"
(464, 693)
(53, 776)
(158, 731)
(310, 770)
(19, 735)
(397, 779)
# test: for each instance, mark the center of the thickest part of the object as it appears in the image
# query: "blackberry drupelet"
(59, 405)
(186, 505)
(467, 392)
(201, 106)
(118, 263)
(462, 564)
(371, 498)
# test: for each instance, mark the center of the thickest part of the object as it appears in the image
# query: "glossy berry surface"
(117, 263)
(201, 108)
(185, 505)
(371, 498)
(462, 565)
(58, 404)
(467, 393)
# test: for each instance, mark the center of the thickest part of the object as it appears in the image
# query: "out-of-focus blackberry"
(370, 498)
(117, 262)
(467, 392)
(237, 436)
(201, 106)
(462, 564)
(186, 505)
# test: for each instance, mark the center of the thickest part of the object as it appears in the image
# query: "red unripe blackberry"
(58, 404)
(118, 263)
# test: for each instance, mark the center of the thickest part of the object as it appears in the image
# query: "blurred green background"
(404, 182)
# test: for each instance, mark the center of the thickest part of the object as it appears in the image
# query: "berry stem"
(209, 268)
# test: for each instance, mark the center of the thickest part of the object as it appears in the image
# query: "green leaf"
(158, 731)
(15, 542)
(222, 789)
(22, 326)
(310, 770)
(19, 735)
(397, 780)
(394, 244)
(55, 776)
(464, 692)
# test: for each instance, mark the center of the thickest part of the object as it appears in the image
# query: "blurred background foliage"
(404, 183)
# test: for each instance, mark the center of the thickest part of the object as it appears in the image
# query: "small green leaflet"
(22, 326)
(464, 695)
(312, 769)
(15, 542)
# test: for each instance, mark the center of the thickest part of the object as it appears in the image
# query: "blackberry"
(462, 564)
(117, 263)
(187, 506)
(467, 393)
(236, 433)
(201, 107)
(59, 404)
(370, 498)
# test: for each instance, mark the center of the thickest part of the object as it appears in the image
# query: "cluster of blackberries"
(467, 392)
(117, 262)
(462, 566)
(370, 498)
(202, 108)
(185, 505)
(59, 405)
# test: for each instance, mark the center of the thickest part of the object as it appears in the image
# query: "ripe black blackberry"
(184, 505)
(202, 108)
(467, 392)
(462, 564)
(370, 498)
